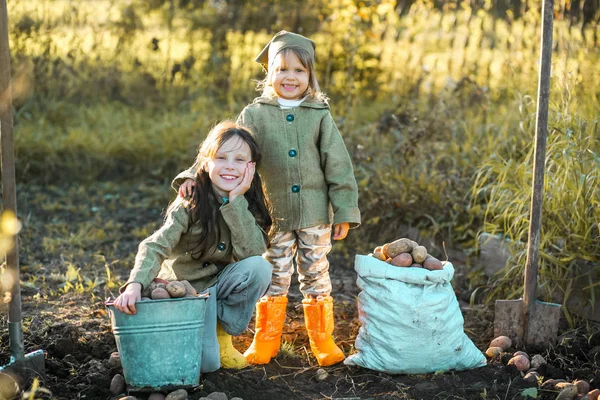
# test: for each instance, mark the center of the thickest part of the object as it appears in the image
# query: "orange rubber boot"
(318, 316)
(270, 316)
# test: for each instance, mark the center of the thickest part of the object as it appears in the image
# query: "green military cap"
(284, 40)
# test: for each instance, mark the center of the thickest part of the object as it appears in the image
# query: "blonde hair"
(313, 92)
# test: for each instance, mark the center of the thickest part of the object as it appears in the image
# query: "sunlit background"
(435, 99)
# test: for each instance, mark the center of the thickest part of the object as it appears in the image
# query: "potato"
(582, 386)
(189, 289)
(432, 263)
(160, 293)
(161, 280)
(567, 391)
(594, 394)
(114, 361)
(117, 384)
(416, 265)
(503, 342)
(537, 361)
(531, 377)
(399, 246)
(521, 353)
(384, 250)
(419, 254)
(321, 374)
(379, 256)
(148, 289)
(402, 260)
(156, 396)
(176, 289)
(389, 261)
(493, 352)
(179, 394)
(520, 361)
(550, 384)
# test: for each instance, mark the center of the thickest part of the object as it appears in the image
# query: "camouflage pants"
(306, 248)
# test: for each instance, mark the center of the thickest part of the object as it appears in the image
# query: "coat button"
(289, 117)
(292, 153)
(221, 246)
(295, 188)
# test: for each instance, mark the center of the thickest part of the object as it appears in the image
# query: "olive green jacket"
(306, 168)
(166, 253)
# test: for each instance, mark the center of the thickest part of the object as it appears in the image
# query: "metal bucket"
(161, 345)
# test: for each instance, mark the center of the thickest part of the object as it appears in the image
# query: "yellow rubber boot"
(230, 357)
(270, 316)
(318, 316)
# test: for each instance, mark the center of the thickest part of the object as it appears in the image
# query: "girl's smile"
(226, 169)
(290, 77)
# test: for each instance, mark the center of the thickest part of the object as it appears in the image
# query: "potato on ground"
(503, 342)
(493, 352)
(402, 260)
(521, 353)
(176, 289)
(594, 394)
(432, 263)
(550, 384)
(419, 254)
(520, 361)
(537, 361)
(399, 246)
(582, 386)
(567, 391)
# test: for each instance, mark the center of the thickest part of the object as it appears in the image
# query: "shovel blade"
(509, 320)
(542, 329)
(29, 367)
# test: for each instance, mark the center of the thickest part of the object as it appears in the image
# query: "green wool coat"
(166, 253)
(306, 168)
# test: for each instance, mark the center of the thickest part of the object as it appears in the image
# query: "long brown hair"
(203, 207)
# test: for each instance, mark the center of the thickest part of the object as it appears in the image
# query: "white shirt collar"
(285, 103)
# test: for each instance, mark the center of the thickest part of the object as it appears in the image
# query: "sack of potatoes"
(407, 253)
(163, 289)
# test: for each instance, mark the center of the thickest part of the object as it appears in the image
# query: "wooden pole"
(539, 156)
(9, 192)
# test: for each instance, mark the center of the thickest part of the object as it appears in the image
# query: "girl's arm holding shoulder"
(183, 183)
(151, 254)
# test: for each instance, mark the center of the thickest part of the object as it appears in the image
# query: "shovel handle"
(9, 192)
(539, 155)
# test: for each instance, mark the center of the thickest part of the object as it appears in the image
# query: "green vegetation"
(436, 104)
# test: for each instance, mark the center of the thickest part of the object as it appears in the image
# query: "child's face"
(226, 169)
(290, 77)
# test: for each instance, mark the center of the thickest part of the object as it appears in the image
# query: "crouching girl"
(214, 240)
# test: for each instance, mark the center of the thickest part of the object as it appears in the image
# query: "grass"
(436, 108)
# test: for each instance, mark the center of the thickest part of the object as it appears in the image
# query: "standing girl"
(213, 240)
(309, 178)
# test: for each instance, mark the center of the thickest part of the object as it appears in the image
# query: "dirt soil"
(73, 236)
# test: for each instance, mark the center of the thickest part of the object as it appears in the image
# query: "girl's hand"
(187, 188)
(341, 231)
(126, 300)
(245, 183)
